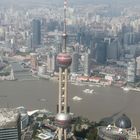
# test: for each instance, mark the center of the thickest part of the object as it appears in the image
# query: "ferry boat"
(89, 91)
(46, 77)
(77, 84)
(94, 85)
(76, 98)
(126, 89)
(90, 85)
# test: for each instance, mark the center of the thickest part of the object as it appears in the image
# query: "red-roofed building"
(83, 78)
(95, 79)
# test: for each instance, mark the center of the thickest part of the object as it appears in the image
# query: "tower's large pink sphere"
(64, 60)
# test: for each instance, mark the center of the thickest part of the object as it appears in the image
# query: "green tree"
(92, 134)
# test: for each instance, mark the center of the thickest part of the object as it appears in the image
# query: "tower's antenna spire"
(65, 26)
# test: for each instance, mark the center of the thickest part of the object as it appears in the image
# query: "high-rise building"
(24, 118)
(86, 64)
(2, 34)
(129, 38)
(113, 48)
(51, 62)
(29, 40)
(54, 63)
(100, 52)
(58, 48)
(75, 62)
(9, 124)
(138, 66)
(34, 62)
(43, 30)
(36, 33)
(77, 47)
(131, 71)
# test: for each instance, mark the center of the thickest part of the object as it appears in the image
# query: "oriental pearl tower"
(64, 61)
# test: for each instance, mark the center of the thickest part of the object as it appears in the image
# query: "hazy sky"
(112, 2)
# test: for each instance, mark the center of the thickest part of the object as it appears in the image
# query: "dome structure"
(123, 122)
(64, 60)
(63, 120)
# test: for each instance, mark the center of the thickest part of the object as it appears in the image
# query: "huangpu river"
(38, 94)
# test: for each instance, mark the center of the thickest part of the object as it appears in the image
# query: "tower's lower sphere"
(64, 60)
(63, 120)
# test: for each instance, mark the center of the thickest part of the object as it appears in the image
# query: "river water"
(37, 94)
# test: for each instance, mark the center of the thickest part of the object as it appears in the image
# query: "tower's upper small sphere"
(63, 120)
(64, 60)
(64, 35)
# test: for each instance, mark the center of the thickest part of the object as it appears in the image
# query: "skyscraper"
(34, 62)
(131, 71)
(9, 124)
(113, 48)
(51, 62)
(75, 62)
(86, 64)
(101, 53)
(138, 66)
(36, 33)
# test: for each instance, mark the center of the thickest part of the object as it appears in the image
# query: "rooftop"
(112, 133)
(44, 136)
(123, 122)
(8, 117)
